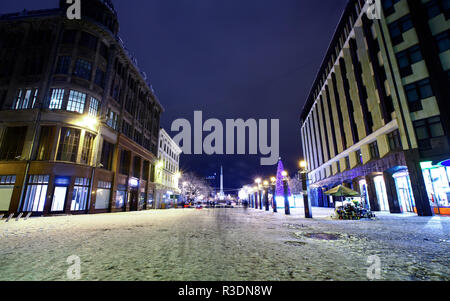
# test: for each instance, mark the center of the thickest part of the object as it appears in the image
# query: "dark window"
(89, 41)
(443, 41)
(104, 50)
(427, 129)
(436, 7)
(125, 162)
(388, 6)
(107, 155)
(374, 152)
(45, 143)
(69, 37)
(112, 119)
(137, 167)
(359, 156)
(416, 92)
(152, 173)
(407, 58)
(100, 78)
(395, 142)
(127, 129)
(12, 143)
(399, 27)
(347, 162)
(146, 170)
(68, 145)
(83, 69)
(87, 148)
(63, 64)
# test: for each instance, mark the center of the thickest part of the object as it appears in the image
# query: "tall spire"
(222, 194)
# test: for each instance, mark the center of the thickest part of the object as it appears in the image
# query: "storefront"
(364, 194)
(380, 189)
(6, 191)
(437, 181)
(404, 192)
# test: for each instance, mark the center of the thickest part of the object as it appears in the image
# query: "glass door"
(380, 188)
(404, 192)
(59, 199)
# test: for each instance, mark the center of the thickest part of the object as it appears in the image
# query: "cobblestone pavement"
(224, 244)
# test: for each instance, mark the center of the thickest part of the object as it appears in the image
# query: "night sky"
(230, 59)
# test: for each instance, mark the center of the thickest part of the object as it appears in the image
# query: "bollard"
(28, 215)
(19, 216)
(9, 217)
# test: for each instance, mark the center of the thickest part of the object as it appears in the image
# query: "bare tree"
(193, 187)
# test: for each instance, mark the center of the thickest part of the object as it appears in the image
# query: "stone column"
(418, 183)
(372, 194)
(391, 191)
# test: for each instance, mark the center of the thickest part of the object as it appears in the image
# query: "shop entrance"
(60, 194)
(134, 200)
(437, 181)
(364, 194)
(404, 191)
(380, 189)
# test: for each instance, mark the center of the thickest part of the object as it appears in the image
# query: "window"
(416, 92)
(76, 102)
(443, 41)
(112, 119)
(125, 162)
(107, 155)
(6, 191)
(436, 7)
(69, 37)
(407, 58)
(127, 129)
(146, 170)
(374, 152)
(100, 78)
(388, 6)
(89, 41)
(347, 162)
(398, 27)
(36, 193)
(93, 107)
(395, 142)
(80, 194)
(12, 143)
(62, 67)
(104, 50)
(56, 99)
(83, 69)
(427, 129)
(68, 145)
(121, 197)
(87, 148)
(45, 143)
(25, 99)
(137, 167)
(102, 196)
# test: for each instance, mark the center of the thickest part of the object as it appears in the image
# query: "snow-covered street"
(224, 244)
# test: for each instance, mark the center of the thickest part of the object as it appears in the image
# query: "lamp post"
(266, 194)
(258, 193)
(287, 209)
(273, 182)
(255, 196)
(304, 180)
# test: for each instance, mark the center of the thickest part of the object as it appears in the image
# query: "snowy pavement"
(225, 244)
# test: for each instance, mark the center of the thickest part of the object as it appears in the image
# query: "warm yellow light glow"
(160, 165)
(177, 175)
(284, 174)
(266, 183)
(258, 181)
(90, 122)
(273, 179)
(303, 164)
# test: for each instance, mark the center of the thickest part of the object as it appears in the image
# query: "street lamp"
(304, 180)
(258, 196)
(287, 209)
(273, 182)
(266, 194)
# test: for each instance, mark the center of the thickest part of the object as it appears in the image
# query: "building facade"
(79, 123)
(377, 117)
(167, 172)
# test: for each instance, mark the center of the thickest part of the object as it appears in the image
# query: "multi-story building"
(377, 116)
(167, 172)
(79, 123)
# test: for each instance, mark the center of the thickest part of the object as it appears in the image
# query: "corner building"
(79, 123)
(376, 119)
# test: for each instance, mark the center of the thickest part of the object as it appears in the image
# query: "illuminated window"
(68, 145)
(25, 99)
(36, 193)
(56, 99)
(80, 194)
(76, 102)
(93, 107)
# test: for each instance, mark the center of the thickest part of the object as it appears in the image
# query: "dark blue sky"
(230, 59)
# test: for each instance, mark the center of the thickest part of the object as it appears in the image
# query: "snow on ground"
(224, 244)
